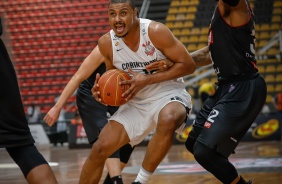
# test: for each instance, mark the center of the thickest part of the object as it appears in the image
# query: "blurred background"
(48, 40)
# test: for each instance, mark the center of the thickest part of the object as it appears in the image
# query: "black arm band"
(231, 2)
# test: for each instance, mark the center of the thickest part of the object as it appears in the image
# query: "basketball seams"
(107, 81)
(109, 84)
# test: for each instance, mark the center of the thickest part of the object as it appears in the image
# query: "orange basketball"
(109, 88)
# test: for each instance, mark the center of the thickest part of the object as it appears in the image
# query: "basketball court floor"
(261, 161)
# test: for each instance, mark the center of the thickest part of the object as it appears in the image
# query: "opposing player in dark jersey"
(15, 134)
(226, 116)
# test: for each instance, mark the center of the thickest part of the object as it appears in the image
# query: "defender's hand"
(160, 65)
(52, 116)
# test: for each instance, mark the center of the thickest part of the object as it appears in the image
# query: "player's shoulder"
(105, 41)
(105, 38)
(156, 29)
(157, 26)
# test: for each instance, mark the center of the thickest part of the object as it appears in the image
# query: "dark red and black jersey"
(232, 49)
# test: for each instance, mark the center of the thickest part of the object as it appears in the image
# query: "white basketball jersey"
(124, 58)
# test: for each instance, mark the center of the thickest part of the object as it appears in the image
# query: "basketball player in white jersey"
(155, 100)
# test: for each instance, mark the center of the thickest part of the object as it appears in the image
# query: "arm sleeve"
(232, 3)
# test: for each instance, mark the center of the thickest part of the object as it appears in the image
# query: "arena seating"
(48, 39)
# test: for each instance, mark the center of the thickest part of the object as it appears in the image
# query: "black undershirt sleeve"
(231, 2)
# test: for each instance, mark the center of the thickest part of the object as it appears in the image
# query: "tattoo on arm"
(199, 56)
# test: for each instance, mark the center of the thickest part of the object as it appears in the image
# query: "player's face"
(121, 17)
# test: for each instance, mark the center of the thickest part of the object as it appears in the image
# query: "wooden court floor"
(261, 161)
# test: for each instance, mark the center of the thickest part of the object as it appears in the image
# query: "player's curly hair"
(131, 2)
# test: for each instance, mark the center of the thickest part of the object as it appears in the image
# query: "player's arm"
(174, 50)
(88, 66)
(201, 57)
(234, 12)
(104, 44)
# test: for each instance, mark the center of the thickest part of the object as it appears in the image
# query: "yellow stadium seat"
(269, 78)
(178, 24)
(270, 69)
(195, 31)
(278, 88)
(188, 24)
(201, 45)
(264, 35)
(279, 68)
(275, 27)
(185, 31)
(182, 9)
(175, 3)
(261, 61)
(203, 38)
(205, 30)
(170, 18)
(261, 69)
(184, 3)
(269, 98)
(194, 2)
(278, 78)
(277, 11)
(277, 3)
(191, 47)
(169, 25)
(176, 32)
(193, 39)
(276, 18)
(264, 27)
(273, 51)
(262, 43)
(190, 16)
(184, 39)
(270, 88)
(192, 9)
(172, 10)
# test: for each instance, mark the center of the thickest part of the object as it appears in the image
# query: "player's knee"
(170, 122)
(26, 157)
(202, 153)
(191, 140)
(100, 150)
(116, 154)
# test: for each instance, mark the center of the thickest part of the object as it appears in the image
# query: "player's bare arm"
(234, 12)
(173, 49)
(160, 65)
(104, 45)
(88, 66)
(202, 56)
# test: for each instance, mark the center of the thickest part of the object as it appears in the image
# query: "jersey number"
(214, 113)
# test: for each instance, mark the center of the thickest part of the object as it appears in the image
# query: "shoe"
(250, 182)
(136, 182)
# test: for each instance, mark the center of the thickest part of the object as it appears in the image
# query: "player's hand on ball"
(137, 82)
(160, 65)
(95, 90)
(52, 116)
